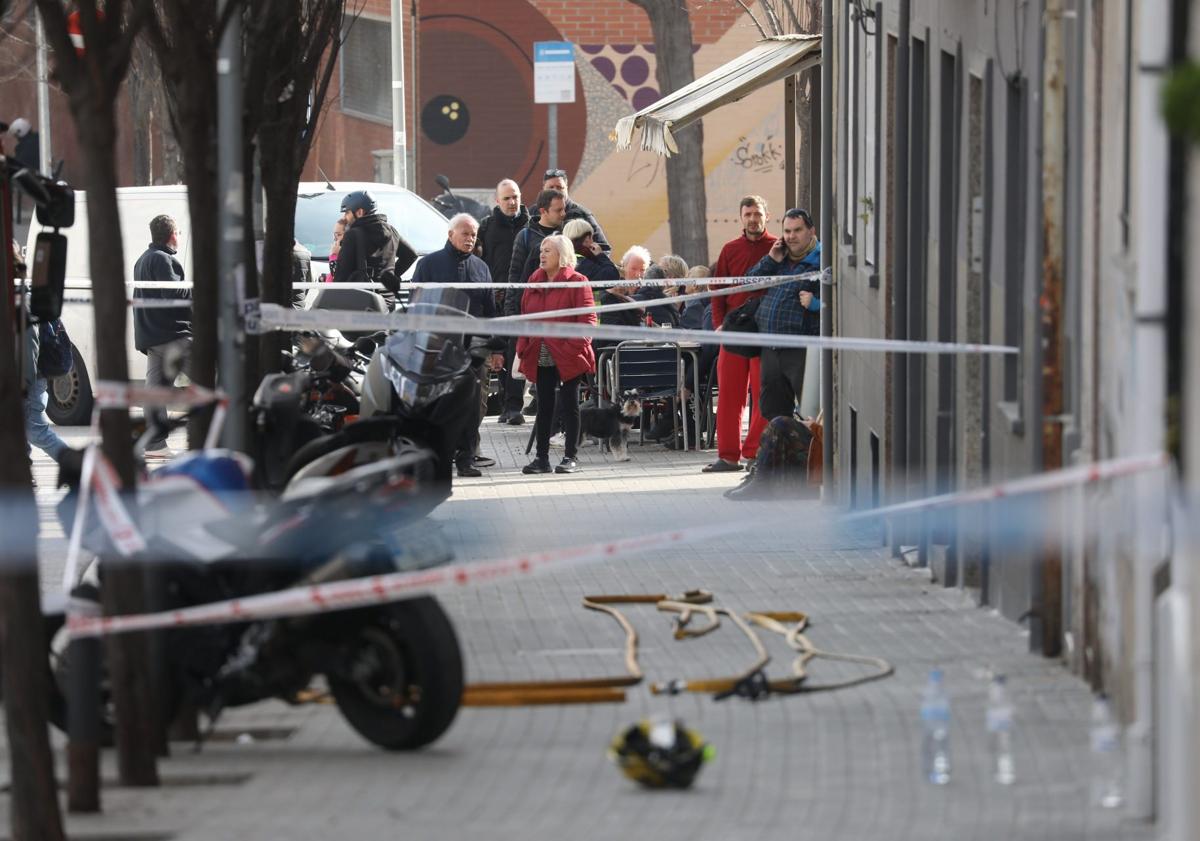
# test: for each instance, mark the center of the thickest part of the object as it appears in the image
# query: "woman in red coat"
(556, 363)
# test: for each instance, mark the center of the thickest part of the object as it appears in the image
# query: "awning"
(771, 60)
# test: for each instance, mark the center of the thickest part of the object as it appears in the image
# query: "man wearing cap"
(556, 179)
(370, 243)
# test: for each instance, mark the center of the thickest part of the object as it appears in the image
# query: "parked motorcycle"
(352, 505)
(449, 204)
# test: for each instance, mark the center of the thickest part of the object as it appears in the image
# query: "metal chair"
(655, 371)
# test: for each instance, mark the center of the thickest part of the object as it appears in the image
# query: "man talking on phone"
(792, 308)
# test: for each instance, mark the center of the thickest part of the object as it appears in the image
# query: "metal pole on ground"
(230, 223)
(898, 446)
(45, 160)
(399, 137)
(828, 411)
(552, 140)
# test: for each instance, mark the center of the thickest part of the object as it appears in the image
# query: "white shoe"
(558, 440)
(162, 453)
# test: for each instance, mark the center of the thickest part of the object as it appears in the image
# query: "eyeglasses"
(797, 213)
(554, 173)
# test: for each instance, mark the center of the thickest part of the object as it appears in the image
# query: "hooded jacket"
(572, 357)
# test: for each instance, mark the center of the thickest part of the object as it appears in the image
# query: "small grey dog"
(612, 424)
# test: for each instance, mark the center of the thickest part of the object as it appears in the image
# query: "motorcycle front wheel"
(401, 682)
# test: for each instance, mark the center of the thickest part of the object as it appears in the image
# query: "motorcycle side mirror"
(365, 346)
(443, 182)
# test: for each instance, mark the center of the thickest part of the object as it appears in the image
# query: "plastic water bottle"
(1106, 755)
(1000, 732)
(935, 722)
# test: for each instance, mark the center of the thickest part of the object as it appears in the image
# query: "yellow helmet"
(660, 753)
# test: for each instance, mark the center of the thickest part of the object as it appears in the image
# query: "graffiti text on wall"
(759, 157)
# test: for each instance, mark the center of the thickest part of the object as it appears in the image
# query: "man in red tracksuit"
(737, 374)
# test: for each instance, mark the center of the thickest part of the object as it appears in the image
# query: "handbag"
(742, 320)
(56, 356)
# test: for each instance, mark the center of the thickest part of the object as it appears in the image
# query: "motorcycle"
(449, 204)
(352, 505)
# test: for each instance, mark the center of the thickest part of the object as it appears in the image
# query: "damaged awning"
(769, 61)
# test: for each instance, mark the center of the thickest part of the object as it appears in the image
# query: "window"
(366, 62)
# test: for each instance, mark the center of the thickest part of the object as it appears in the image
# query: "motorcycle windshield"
(430, 357)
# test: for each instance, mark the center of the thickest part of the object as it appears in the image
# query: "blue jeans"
(37, 426)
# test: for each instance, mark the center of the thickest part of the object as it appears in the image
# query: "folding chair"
(655, 371)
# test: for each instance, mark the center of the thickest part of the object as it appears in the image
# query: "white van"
(318, 207)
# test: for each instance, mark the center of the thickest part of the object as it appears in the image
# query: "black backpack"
(56, 356)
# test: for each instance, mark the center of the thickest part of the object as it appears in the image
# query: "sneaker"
(722, 466)
(558, 440)
(750, 488)
(663, 429)
(504, 417)
(160, 452)
(516, 419)
(538, 465)
(531, 409)
(467, 471)
(567, 465)
(483, 461)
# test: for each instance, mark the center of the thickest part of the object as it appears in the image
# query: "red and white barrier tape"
(112, 394)
(1038, 483)
(409, 285)
(380, 589)
(275, 317)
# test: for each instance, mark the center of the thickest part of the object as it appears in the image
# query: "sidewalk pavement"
(841, 765)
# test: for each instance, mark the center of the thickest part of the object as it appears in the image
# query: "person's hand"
(595, 248)
(806, 299)
(778, 250)
(496, 362)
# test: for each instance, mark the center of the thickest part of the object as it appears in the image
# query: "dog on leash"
(611, 425)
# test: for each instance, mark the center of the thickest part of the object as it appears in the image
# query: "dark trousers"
(513, 389)
(568, 396)
(782, 381)
(468, 441)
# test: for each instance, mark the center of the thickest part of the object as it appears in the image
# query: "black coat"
(370, 243)
(599, 267)
(449, 265)
(154, 327)
(525, 261)
(668, 313)
(495, 244)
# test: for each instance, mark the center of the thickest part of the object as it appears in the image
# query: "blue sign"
(553, 71)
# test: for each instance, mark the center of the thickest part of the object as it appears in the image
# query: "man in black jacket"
(163, 334)
(370, 245)
(495, 245)
(556, 179)
(456, 263)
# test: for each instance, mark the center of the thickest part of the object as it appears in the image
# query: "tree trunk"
(142, 84)
(123, 590)
(688, 206)
(35, 813)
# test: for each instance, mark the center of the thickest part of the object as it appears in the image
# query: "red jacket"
(572, 357)
(738, 257)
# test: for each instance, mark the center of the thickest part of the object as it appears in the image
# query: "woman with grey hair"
(556, 366)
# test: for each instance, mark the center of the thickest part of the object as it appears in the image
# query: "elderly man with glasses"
(556, 179)
(791, 308)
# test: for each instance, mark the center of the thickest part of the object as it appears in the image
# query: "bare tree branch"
(750, 12)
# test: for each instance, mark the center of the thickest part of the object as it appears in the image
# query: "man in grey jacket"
(164, 334)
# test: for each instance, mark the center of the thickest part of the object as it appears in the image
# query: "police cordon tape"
(550, 284)
(275, 317)
(644, 304)
(1038, 483)
(381, 589)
